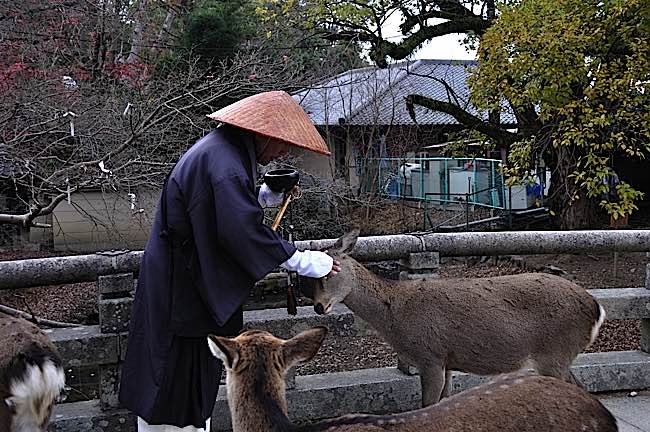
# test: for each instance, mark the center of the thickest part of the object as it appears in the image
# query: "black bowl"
(281, 180)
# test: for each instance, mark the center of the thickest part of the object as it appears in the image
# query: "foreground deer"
(31, 376)
(256, 363)
(482, 326)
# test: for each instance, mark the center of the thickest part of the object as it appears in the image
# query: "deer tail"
(35, 379)
(599, 322)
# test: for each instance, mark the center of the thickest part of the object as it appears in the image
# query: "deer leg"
(432, 379)
(447, 388)
(571, 378)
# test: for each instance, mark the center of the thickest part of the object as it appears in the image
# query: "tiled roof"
(372, 96)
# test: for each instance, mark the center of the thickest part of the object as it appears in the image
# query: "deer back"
(519, 402)
(501, 319)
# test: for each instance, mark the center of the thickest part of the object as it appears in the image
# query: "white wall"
(314, 163)
(95, 221)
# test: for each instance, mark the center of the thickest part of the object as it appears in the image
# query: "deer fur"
(484, 326)
(31, 376)
(256, 363)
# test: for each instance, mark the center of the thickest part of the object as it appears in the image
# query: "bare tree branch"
(501, 136)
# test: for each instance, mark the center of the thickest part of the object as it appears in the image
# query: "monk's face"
(268, 149)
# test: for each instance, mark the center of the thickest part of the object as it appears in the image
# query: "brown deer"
(31, 376)
(256, 363)
(484, 326)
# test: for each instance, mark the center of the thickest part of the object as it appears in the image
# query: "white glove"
(267, 198)
(309, 263)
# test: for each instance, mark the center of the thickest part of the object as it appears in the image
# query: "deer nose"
(319, 309)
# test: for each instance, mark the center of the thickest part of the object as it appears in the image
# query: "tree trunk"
(161, 40)
(138, 32)
(577, 214)
(573, 209)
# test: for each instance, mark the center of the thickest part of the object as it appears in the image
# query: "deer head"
(328, 291)
(256, 363)
(239, 353)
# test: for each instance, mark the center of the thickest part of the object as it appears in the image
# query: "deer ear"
(304, 346)
(345, 243)
(226, 350)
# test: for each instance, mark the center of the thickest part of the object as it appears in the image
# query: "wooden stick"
(38, 321)
(291, 295)
(278, 217)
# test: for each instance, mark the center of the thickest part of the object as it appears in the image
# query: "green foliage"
(316, 13)
(215, 29)
(585, 66)
(288, 28)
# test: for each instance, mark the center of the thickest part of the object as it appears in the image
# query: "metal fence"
(476, 181)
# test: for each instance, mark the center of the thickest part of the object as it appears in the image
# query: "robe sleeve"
(240, 231)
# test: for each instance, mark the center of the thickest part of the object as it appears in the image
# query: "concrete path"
(632, 413)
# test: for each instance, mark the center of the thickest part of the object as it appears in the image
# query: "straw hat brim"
(275, 115)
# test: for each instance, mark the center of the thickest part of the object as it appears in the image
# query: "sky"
(448, 47)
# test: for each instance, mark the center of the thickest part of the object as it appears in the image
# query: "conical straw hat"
(274, 114)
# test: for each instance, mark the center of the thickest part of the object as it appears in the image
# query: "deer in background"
(256, 363)
(31, 376)
(483, 326)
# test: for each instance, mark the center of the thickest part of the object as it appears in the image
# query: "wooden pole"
(287, 199)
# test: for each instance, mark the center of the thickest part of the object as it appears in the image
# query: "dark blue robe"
(198, 267)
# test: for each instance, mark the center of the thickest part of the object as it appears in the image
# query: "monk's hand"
(268, 198)
(296, 192)
(336, 268)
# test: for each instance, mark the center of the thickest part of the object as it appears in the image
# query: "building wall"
(315, 164)
(95, 221)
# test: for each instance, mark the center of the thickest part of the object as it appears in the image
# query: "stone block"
(82, 346)
(613, 371)
(88, 416)
(462, 381)
(109, 382)
(645, 335)
(340, 321)
(631, 412)
(422, 261)
(114, 315)
(417, 275)
(624, 303)
(124, 338)
(115, 285)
